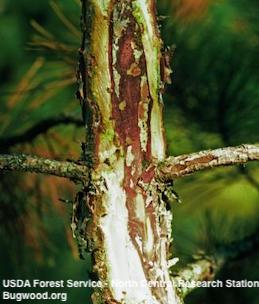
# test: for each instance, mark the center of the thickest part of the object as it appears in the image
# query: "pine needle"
(25, 82)
(69, 25)
(41, 30)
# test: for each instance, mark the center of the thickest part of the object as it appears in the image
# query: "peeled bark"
(121, 75)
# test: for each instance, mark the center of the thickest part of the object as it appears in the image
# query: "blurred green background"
(213, 101)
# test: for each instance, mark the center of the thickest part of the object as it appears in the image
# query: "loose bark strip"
(26, 163)
(179, 166)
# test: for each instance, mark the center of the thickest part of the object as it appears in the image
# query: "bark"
(121, 78)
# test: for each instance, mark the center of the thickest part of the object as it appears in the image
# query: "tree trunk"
(121, 74)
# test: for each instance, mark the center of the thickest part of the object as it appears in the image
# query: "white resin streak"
(123, 261)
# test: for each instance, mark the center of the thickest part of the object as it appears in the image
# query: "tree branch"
(179, 166)
(39, 128)
(26, 163)
(206, 268)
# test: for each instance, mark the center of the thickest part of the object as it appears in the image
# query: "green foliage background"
(213, 101)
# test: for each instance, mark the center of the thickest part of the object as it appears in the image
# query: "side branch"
(26, 163)
(179, 166)
(206, 268)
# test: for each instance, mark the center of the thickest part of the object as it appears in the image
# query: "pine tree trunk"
(122, 73)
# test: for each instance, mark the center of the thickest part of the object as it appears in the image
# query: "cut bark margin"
(182, 165)
(26, 163)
